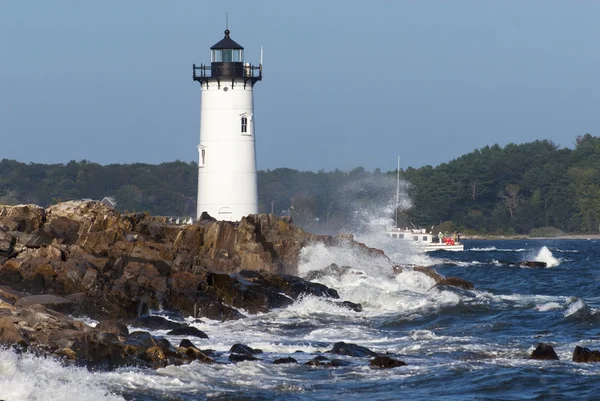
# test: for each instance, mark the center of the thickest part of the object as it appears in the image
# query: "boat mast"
(397, 191)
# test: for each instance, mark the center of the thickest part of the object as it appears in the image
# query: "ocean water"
(458, 344)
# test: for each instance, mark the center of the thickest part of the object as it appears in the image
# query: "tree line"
(519, 188)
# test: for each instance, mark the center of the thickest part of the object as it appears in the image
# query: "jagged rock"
(544, 351)
(9, 334)
(244, 349)
(113, 326)
(385, 362)
(187, 331)
(342, 348)
(583, 354)
(23, 218)
(7, 243)
(53, 302)
(288, 359)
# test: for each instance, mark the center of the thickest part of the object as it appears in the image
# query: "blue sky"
(346, 83)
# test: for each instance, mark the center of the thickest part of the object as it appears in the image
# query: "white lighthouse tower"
(227, 184)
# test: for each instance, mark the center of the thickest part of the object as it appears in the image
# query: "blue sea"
(457, 344)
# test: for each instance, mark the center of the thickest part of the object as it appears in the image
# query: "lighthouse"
(227, 183)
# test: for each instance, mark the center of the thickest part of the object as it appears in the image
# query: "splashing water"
(545, 255)
(27, 377)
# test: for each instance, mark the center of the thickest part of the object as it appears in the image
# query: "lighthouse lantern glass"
(227, 56)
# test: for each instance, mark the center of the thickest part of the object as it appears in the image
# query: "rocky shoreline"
(82, 259)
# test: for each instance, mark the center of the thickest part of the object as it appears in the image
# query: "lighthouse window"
(244, 124)
(227, 56)
(202, 158)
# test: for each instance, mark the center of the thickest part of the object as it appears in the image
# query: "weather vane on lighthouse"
(227, 183)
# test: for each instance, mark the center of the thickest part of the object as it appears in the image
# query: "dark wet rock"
(188, 331)
(244, 349)
(342, 348)
(456, 282)
(59, 304)
(583, 354)
(385, 362)
(544, 351)
(113, 326)
(157, 323)
(185, 343)
(318, 361)
(337, 363)
(242, 357)
(288, 359)
(141, 339)
(325, 362)
(533, 263)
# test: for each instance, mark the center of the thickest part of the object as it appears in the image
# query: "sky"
(346, 83)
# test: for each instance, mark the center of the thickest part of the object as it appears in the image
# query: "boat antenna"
(397, 191)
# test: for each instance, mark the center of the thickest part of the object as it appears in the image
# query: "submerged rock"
(533, 263)
(385, 362)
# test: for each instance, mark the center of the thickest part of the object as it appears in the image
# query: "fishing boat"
(425, 241)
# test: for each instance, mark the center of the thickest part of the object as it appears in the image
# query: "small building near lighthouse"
(227, 181)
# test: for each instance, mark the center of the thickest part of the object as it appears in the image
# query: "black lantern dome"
(227, 63)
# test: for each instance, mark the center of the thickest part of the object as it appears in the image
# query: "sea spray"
(545, 255)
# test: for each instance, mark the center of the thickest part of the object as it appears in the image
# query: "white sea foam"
(493, 248)
(577, 309)
(27, 377)
(548, 306)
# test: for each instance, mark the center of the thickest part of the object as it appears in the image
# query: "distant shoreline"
(525, 237)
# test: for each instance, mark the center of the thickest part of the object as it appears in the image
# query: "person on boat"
(441, 237)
